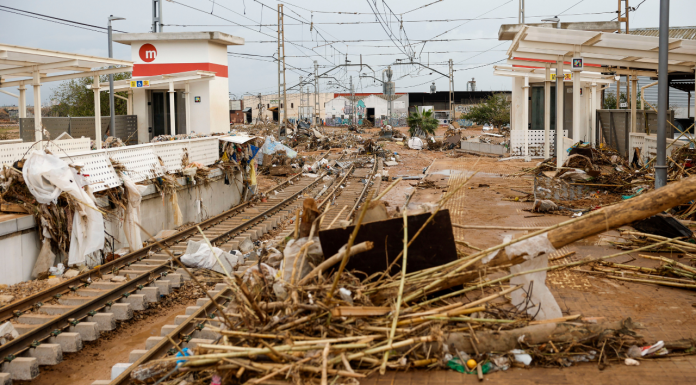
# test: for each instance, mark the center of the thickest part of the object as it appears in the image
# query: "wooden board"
(434, 246)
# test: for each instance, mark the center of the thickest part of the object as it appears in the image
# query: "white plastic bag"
(46, 177)
(314, 256)
(415, 143)
(199, 255)
(7, 333)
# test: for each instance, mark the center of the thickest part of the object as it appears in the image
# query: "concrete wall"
(19, 239)
(20, 245)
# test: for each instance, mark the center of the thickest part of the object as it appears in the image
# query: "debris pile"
(304, 312)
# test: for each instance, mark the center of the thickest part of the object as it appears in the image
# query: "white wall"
(20, 243)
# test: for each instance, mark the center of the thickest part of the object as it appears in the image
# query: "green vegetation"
(495, 110)
(73, 98)
(425, 122)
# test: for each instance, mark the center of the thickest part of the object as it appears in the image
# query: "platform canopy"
(162, 82)
(22, 66)
(602, 51)
(540, 74)
(18, 64)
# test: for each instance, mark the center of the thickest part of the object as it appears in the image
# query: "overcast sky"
(259, 74)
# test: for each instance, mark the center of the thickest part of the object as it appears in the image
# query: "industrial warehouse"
(358, 193)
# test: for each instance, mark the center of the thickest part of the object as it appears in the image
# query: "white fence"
(141, 161)
(10, 153)
(535, 142)
(648, 146)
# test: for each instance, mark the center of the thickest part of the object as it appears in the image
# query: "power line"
(57, 20)
(422, 6)
(572, 6)
(403, 21)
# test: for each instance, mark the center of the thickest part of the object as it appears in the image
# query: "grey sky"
(260, 75)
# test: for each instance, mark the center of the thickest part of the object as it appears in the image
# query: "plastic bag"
(415, 143)
(199, 255)
(314, 257)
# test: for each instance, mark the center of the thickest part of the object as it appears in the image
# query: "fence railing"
(126, 127)
(141, 161)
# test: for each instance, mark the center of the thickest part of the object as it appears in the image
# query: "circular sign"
(148, 52)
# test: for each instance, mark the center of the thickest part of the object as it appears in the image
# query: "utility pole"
(281, 69)
(662, 96)
(316, 93)
(157, 17)
(389, 91)
(300, 113)
(624, 18)
(451, 87)
(352, 102)
(520, 14)
(112, 108)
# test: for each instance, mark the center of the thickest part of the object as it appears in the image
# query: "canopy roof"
(540, 74)
(161, 82)
(17, 65)
(601, 50)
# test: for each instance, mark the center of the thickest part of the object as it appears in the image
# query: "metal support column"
(547, 112)
(525, 119)
(634, 101)
(129, 103)
(172, 112)
(97, 113)
(22, 100)
(317, 113)
(593, 111)
(281, 68)
(559, 112)
(578, 131)
(451, 89)
(187, 98)
(662, 96)
(38, 129)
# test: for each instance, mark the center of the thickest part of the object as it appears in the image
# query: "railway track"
(64, 316)
(198, 325)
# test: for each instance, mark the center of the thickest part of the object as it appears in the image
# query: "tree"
(495, 110)
(610, 100)
(425, 122)
(73, 98)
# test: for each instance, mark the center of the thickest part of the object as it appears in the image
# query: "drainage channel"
(61, 318)
(201, 323)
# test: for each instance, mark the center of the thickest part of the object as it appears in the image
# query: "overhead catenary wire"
(53, 19)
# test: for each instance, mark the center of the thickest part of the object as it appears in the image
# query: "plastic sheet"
(132, 215)
(46, 177)
(314, 257)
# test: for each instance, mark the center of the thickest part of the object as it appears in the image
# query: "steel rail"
(29, 303)
(186, 328)
(165, 345)
(74, 316)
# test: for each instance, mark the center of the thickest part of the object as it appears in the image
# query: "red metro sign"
(147, 53)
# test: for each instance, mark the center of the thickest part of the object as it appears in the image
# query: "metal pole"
(662, 91)
(160, 17)
(547, 111)
(300, 113)
(559, 112)
(112, 109)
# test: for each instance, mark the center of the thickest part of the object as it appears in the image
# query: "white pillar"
(559, 113)
(593, 114)
(22, 100)
(634, 102)
(525, 119)
(547, 112)
(97, 113)
(187, 97)
(578, 131)
(38, 129)
(587, 111)
(129, 102)
(172, 113)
